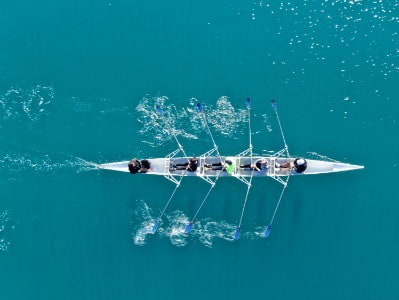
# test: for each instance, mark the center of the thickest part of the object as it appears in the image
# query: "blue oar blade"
(200, 107)
(237, 234)
(267, 231)
(189, 227)
(159, 110)
(248, 103)
(155, 227)
(274, 105)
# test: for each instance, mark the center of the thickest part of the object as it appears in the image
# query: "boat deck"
(205, 167)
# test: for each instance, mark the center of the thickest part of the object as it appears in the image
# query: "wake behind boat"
(211, 166)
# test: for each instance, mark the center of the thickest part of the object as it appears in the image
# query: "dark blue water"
(78, 86)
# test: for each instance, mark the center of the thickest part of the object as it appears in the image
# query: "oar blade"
(188, 227)
(237, 233)
(248, 103)
(200, 107)
(159, 110)
(268, 231)
(155, 227)
(274, 105)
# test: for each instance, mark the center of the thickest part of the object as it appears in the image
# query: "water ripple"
(14, 164)
(185, 122)
(25, 104)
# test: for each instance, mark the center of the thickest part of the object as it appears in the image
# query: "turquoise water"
(78, 85)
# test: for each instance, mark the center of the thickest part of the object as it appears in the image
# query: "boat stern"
(321, 167)
(340, 167)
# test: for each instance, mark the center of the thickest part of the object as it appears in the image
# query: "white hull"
(162, 166)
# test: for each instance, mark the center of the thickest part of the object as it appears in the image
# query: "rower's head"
(300, 161)
(228, 161)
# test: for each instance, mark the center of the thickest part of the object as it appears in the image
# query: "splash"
(25, 104)
(152, 127)
(267, 122)
(225, 119)
(185, 122)
(175, 229)
(320, 156)
(205, 231)
(143, 214)
(208, 230)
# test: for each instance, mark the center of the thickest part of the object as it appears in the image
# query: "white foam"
(186, 122)
(5, 228)
(39, 162)
(320, 156)
(205, 231)
(21, 104)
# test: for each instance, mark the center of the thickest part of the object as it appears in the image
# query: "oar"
(155, 227)
(202, 111)
(268, 229)
(159, 110)
(237, 233)
(200, 107)
(274, 106)
(190, 225)
(248, 103)
(161, 113)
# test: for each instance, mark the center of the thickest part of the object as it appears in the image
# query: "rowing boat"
(211, 166)
(164, 167)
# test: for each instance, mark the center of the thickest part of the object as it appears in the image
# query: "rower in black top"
(137, 166)
(190, 166)
(134, 166)
(257, 166)
(145, 166)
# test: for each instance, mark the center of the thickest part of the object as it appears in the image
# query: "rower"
(134, 166)
(259, 164)
(145, 166)
(190, 166)
(137, 166)
(227, 166)
(300, 165)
